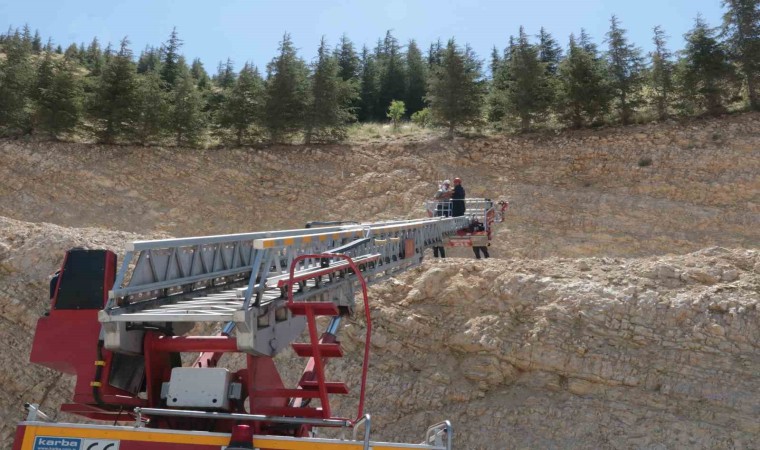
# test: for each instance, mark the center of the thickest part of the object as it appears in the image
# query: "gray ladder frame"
(232, 279)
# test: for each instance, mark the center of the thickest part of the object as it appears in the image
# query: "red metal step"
(325, 350)
(310, 390)
(319, 308)
(333, 387)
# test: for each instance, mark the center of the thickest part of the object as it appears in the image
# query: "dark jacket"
(457, 201)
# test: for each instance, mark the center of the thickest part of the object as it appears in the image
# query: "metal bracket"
(35, 415)
(366, 422)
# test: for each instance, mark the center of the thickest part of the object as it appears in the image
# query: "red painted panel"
(19, 438)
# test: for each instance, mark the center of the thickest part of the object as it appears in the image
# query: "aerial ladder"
(146, 339)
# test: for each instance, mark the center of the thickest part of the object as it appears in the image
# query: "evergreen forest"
(110, 94)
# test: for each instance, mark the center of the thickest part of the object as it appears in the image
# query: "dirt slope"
(575, 194)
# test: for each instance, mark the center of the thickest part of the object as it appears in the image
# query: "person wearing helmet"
(443, 195)
(457, 198)
(443, 209)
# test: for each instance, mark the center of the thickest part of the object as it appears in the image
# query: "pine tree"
(661, 74)
(16, 80)
(741, 24)
(584, 94)
(625, 66)
(186, 118)
(71, 53)
(37, 42)
(416, 82)
(114, 100)
(549, 52)
(350, 68)
(528, 92)
(348, 60)
(242, 109)
(435, 54)
(58, 97)
(218, 91)
(108, 53)
(509, 50)
(26, 39)
(149, 60)
(225, 75)
(59, 50)
(392, 74)
(495, 62)
(43, 86)
(585, 42)
(199, 74)
(706, 70)
(455, 89)
(93, 57)
(171, 68)
(331, 99)
(500, 81)
(287, 92)
(550, 55)
(368, 96)
(152, 105)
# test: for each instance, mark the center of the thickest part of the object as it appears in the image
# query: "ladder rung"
(286, 393)
(325, 350)
(319, 308)
(333, 387)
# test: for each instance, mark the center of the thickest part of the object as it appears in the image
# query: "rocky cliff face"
(557, 353)
(659, 352)
(29, 253)
(635, 325)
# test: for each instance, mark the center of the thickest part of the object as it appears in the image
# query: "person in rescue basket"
(478, 250)
(442, 209)
(457, 198)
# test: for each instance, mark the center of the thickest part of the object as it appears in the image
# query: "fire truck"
(145, 338)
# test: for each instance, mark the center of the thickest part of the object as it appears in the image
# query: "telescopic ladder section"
(241, 281)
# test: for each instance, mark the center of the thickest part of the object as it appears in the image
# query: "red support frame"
(58, 345)
(315, 343)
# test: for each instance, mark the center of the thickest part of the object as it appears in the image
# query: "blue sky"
(249, 30)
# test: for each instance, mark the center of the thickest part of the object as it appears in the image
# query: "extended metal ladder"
(242, 280)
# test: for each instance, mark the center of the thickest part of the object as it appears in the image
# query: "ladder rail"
(211, 310)
(226, 279)
(137, 273)
(158, 266)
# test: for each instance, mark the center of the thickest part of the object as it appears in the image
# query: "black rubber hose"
(98, 375)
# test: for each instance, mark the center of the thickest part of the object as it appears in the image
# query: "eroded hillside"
(576, 194)
(590, 353)
(622, 310)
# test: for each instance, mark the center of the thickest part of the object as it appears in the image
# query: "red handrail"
(365, 363)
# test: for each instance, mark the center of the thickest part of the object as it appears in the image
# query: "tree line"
(533, 82)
